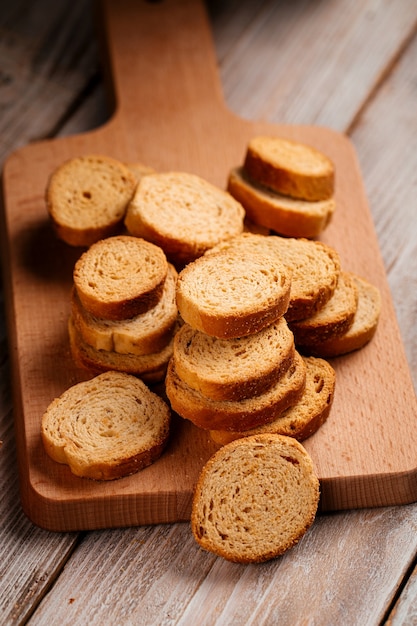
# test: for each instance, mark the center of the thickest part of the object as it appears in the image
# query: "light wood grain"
(351, 474)
(336, 538)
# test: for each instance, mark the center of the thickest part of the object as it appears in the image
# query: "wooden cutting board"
(170, 114)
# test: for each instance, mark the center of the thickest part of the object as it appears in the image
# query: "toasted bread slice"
(361, 331)
(314, 267)
(87, 197)
(183, 213)
(120, 277)
(284, 215)
(231, 294)
(107, 427)
(290, 168)
(334, 318)
(143, 334)
(151, 368)
(233, 369)
(236, 414)
(305, 417)
(255, 498)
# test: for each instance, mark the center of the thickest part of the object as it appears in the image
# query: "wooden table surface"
(350, 66)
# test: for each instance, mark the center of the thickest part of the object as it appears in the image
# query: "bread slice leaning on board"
(255, 498)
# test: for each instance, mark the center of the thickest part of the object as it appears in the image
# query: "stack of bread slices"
(234, 367)
(331, 311)
(285, 186)
(123, 309)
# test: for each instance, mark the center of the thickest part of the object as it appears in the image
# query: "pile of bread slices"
(174, 287)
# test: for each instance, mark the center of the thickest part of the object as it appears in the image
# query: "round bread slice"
(183, 213)
(305, 417)
(107, 427)
(233, 294)
(237, 415)
(255, 498)
(290, 168)
(362, 329)
(233, 369)
(314, 268)
(151, 368)
(334, 318)
(87, 197)
(143, 334)
(120, 277)
(284, 215)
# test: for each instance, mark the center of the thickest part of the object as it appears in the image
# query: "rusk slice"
(362, 329)
(107, 427)
(183, 213)
(232, 295)
(143, 334)
(236, 414)
(233, 369)
(334, 318)
(314, 268)
(255, 498)
(305, 417)
(290, 168)
(149, 367)
(284, 215)
(87, 197)
(120, 277)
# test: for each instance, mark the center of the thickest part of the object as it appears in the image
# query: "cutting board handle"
(161, 60)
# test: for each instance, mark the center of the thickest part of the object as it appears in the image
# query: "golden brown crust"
(305, 417)
(233, 369)
(238, 415)
(361, 331)
(334, 318)
(290, 168)
(233, 295)
(151, 368)
(284, 215)
(120, 277)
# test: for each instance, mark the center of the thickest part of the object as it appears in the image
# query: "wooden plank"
(344, 570)
(332, 63)
(190, 114)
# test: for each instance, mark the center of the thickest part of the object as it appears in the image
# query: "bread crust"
(106, 428)
(284, 215)
(290, 168)
(120, 277)
(361, 331)
(151, 368)
(236, 415)
(334, 318)
(146, 333)
(233, 369)
(304, 418)
(314, 267)
(231, 295)
(255, 498)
